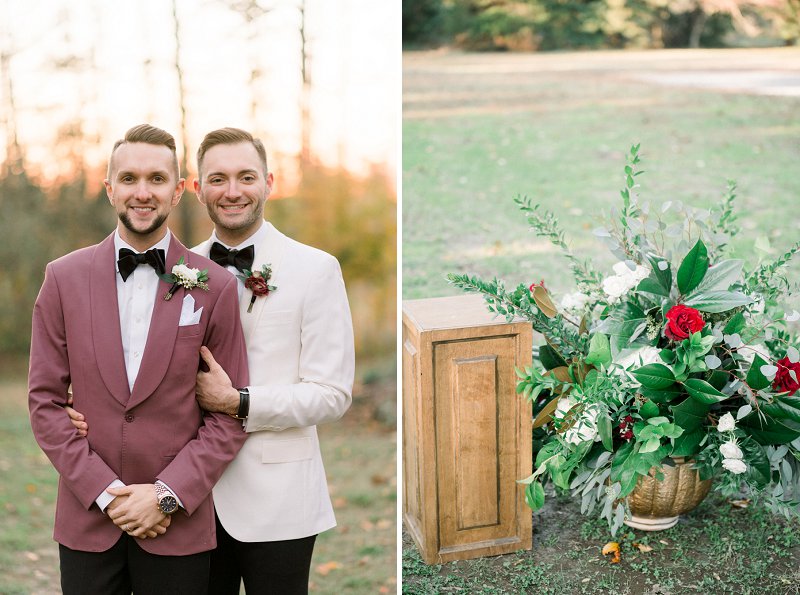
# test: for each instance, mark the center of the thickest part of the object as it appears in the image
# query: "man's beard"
(158, 222)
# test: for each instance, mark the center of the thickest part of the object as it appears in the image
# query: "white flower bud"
(735, 466)
(726, 423)
(731, 450)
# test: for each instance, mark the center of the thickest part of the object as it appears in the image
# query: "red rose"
(681, 321)
(258, 285)
(783, 379)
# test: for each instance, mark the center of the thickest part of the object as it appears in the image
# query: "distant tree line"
(532, 25)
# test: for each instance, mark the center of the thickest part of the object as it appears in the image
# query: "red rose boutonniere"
(258, 283)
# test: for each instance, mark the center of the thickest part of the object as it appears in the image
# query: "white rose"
(726, 423)
(574, 301)
(731, 450)
(585, 428)
(184, 272)
(736, 466)
(615, 286)
(563, 406)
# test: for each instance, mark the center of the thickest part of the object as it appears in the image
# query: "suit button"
(129, 417)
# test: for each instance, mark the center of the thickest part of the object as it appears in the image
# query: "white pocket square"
(188, 315)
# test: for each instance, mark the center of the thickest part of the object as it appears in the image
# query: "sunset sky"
(110, 65)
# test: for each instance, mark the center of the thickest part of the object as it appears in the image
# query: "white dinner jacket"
(301, 356)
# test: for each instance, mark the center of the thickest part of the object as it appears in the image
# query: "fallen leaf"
(32, 556)
(740, 503)
(586, 580)
(325, 568)
(612, 547)
(339, 502)
(377, 480)
(642, 547)
(664, 541)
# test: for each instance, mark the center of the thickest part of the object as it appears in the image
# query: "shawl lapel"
(106, 333)
(162, 333)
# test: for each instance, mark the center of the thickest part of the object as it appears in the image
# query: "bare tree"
(186, 210)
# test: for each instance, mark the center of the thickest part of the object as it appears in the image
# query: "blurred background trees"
(52, 196)
(531, 25)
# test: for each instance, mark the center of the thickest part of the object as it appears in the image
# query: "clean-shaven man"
(134, 509)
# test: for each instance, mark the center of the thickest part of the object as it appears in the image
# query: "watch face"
(168, 504)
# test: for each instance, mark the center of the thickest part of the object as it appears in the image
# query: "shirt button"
(139, 286)
(136, 354)
(129, 417)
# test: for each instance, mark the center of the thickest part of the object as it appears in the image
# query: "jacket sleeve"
(80, 468)
(326, 366)
(199, 464)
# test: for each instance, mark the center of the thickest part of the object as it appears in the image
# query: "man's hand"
(214, 391)
(137, 514)
(76, 418)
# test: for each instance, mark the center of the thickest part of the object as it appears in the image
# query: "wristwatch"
(244, 403)
(167, 503)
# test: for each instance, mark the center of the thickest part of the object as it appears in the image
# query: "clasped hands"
(134, 510)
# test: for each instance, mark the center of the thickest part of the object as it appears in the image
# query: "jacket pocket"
(287, 451)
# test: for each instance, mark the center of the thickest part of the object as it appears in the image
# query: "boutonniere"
(183, 276)
(258, 283)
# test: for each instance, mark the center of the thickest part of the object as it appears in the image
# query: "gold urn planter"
(657, 505)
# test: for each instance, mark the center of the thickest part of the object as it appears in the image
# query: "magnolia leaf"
(755, 378)
(651, 286)
(561, 374)
(654, 376)
(546, 414)
(735, 324)
(612, 547)
(715, 302)
(599, 350)
(604, 429)
(721, 276)
(550, 358)
(543, 301)
(770, 431)
(662, 396)
(534, 495)
(693, 268)
(688, 443)
(690, 414)
(784, 407)
(660, 273)
(702, 391)
(648, 409)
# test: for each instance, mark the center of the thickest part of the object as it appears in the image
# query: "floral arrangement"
(683, 351)
(183, 276)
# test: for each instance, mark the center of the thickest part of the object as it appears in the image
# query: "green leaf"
(652, 286)
(604, 429)
(735, 324)
(770, 431)
(690, 414)
(758, 466)
(550, 358)
(662, 396)
(715, 302)
(534, 495)
(703, 392)
(755, 379)
(599, 350)
(663, 278)
(655, 376)
(688, 443)
(789, 406)
(721, 276)
(693, 268)
(651, 445)
(648, 409)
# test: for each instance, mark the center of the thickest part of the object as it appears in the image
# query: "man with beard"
(273, 500)
(134, 509)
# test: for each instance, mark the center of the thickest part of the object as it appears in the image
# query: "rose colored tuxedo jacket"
(155, 431)
(300, 352)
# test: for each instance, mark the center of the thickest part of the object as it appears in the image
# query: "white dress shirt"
(136, 298)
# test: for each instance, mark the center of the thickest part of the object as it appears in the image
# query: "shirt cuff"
(104, 499)
(171, 491)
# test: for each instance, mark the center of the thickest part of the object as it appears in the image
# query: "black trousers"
(126, 567)
(267, 567)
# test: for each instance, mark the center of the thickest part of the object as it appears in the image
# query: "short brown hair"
(230, 136)
(145, 133)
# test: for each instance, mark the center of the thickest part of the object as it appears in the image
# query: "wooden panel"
(474, 387)
(476, 440)
(411, 475)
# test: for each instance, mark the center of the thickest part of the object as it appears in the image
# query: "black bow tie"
(241, 259)
(129, 260)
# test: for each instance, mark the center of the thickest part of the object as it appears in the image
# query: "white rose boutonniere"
(184, 276)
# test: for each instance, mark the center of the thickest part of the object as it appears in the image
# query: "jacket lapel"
(106, 333)
(162, 333)
(270, 252)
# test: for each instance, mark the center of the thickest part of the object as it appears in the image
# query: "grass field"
(479, 130)
(358, 556)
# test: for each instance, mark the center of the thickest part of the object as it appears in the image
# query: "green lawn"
(358, 556)
(476, 134)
